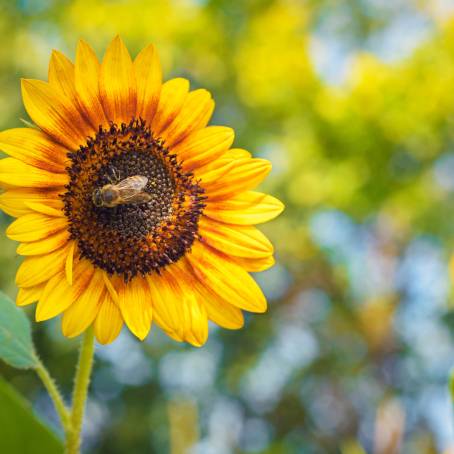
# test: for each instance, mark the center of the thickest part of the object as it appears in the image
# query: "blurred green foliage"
(20, 431)
(353, 102)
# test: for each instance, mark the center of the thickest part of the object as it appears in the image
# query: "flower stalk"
(72, 419)
(55, 395)
(81, 383)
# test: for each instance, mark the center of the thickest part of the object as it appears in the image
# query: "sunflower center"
(129, 226)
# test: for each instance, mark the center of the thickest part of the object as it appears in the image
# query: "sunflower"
(130, 209)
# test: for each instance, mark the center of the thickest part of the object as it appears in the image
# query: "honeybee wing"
(140, 197)
(137, 182)
(130, 190)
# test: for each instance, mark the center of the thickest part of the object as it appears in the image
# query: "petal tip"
(117, 41)
(39, 317)
(141, 335)
(280, 207)
(82, 46)
(24, 83)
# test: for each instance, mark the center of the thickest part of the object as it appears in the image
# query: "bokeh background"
(353, 102)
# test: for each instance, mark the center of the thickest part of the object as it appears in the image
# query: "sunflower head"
(129, 207)
(121, 225)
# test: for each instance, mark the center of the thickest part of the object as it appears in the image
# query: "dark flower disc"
(131, 238)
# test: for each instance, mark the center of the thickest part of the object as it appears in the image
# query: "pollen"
(131, 239)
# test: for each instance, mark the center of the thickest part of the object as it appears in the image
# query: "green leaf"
(16, 346)
(20, 430)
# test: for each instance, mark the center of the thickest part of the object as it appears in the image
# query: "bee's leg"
(110, 174)
(113, 175)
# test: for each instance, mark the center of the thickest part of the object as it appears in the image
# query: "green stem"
(55, 395)
(81, 382)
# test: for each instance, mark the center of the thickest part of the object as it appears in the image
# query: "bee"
(126, 192)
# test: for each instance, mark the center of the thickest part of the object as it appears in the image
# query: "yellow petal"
(203, 146)
(55, 114)
(193, 316)
(34, 227)
(83, 311)
(109, 321)
(217, 309)
(195, 114)
(165, 294)
(148, 73)
(176, 307)
(195, 320)
(222, 313)
(61, 76)
(241, 241)
(246, 174)
(35, 148)
(136, 307)
(43, 208)
(15, 173)
(226, 278)
(201, 171)
(29, 295)
(87, 71)
(117, 83)
(244, 209)
(16, 202)
(255, 265)
(111, 288)
(69, 263)
(44, 246)
(237, 153)
(36, 269)
(171, 100)
(213, 173)
(58, 295)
